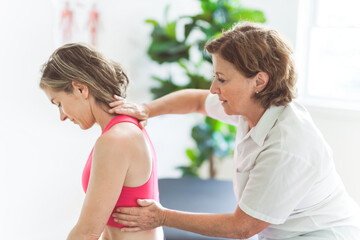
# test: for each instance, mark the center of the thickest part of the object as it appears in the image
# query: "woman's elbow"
(247, 229)
(89, 236)
(83, 234)
(240, 234)
(92, 236)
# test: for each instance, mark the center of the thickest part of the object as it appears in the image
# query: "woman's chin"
(85, 127)
(227, 110)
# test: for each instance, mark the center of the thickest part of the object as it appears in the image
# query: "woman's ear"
(80, 89)
(261, 80)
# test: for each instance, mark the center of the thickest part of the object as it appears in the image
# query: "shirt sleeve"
(214, 110)
(276, 185)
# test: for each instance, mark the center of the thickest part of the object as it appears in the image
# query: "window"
(328, 52)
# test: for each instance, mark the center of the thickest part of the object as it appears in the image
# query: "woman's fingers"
(128, 211)
(124, 217)
(150, 215)
(133, 222)
(118, 100)
(127, 223)
(118, 97)
(120, 218)
(143, 124)
(122, 106)
(129, 219)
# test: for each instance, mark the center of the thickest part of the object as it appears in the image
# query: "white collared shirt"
(284, 173)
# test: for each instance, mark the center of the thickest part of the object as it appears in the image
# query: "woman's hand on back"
(122, 106)
(148, 216)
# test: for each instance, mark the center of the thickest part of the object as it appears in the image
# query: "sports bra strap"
(118, 119)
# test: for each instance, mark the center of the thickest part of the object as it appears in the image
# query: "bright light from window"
(332, 58)
(335, 13)
(334, 63)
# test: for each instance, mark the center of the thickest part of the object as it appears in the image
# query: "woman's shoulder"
(123, 137)
(122, 130)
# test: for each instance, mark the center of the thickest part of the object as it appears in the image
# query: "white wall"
(41, 158)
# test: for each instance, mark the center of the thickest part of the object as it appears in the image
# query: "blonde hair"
(252, 48)
(81, 63)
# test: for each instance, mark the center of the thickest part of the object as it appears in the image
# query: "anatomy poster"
(76, 21)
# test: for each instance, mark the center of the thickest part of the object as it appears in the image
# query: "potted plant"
(214, 140)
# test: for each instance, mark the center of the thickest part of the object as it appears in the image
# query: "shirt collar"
(266, 122)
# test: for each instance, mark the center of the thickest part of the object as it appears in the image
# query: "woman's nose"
(213, 88)
(63, 116)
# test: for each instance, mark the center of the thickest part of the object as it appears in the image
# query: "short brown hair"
(81, 63)
(252, 48)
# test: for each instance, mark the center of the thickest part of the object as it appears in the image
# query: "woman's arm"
(180, 102)
(238, 225)
(106, 178)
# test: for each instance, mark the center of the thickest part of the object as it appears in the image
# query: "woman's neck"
(254, 116)
(101, 115)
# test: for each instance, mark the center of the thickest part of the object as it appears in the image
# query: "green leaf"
(166, 12)
(192, 154)
(208, 5)
(198, 81)
(188, 28)
(183, 65)
(170, 30)
(249, 15)
(204, 17)
(166, 86)
(168, 51)
(153, 22)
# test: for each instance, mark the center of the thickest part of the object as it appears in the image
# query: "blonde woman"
(121, 167)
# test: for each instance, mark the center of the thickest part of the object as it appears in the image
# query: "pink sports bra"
(129, 195)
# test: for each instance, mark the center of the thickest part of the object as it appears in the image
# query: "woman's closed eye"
(221, 80)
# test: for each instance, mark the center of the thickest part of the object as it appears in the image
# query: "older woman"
(284, 176)
(122, 165)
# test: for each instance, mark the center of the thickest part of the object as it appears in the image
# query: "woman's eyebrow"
(219, 73)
